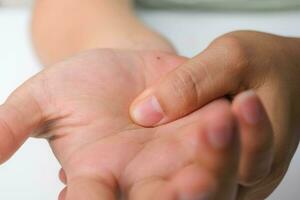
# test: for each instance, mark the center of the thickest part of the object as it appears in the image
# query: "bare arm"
(63, 27)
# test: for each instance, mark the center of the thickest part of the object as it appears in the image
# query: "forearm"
(63, 27)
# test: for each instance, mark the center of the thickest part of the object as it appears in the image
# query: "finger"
(264, 188)
(210, 75)
(256, 138)
(62, 194)
(19, 116)
(62, 176)
(214, 142)
(211, 142)
(89, 188)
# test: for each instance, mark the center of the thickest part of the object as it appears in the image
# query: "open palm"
(81, 106)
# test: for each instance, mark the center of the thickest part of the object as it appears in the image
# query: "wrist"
(59, 32)
(131, 36)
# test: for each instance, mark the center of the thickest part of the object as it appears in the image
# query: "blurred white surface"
(32, 172)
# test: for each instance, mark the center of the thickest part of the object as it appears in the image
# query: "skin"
(233, 63)
(88, 28)
(271, 140)
(81, 107)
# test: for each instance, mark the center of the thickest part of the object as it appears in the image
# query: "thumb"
(210, 75)
(19, 116)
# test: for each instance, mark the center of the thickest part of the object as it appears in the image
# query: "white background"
(32, 172)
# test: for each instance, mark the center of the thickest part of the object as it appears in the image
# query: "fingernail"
(251, 108)
(220, 136)
(148, 112)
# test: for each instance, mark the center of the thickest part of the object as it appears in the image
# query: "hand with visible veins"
(81, 106)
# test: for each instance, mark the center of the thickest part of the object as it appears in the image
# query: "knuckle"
(8, 141)
(235, 50)
(185, 86)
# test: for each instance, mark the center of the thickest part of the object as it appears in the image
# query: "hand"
(233, 63)
(81, 106)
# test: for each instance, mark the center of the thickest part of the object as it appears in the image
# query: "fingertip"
(215, 132)
(8, 143)
(221, 126)
(147, 111)
(194, 183)
(249, 108)
(214, 140)
(62, 176)
(62, 194)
